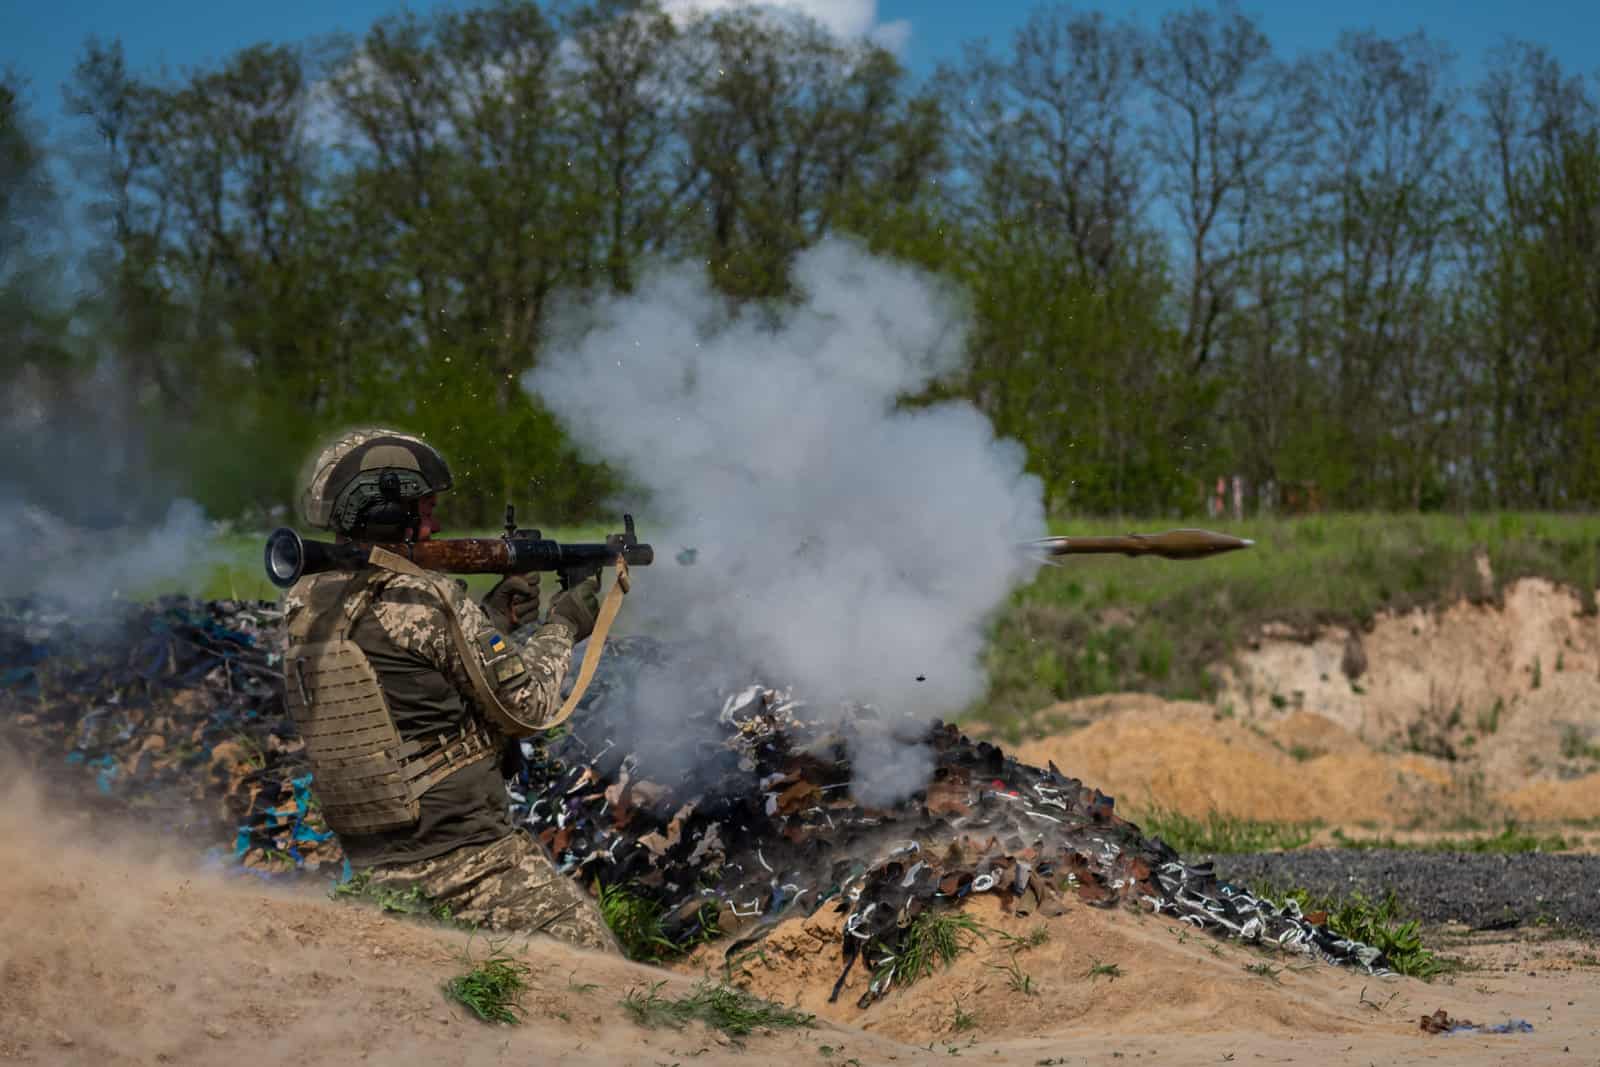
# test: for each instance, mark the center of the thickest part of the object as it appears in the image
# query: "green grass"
(411, 901)
(493, 988)
(721, 1007)
(1575, 745)
(1222, 833)
(1511, 839)
(1039, 935)
(1106, 624)
(1380, 923)
(1097, 969)
(636, 921)
(933, 937)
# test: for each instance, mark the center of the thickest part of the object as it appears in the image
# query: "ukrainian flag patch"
(497, 644)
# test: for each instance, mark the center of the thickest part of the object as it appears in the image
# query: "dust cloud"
(812, 530)
(83, 519)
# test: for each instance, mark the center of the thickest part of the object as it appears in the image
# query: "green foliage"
(413, 901)
(1219, 833)
(635, 919)
(1509, 840)
(1380, 924)
(1097, 969)
(932, 938)
(1575, 745)
(493, 988)
(721, 1007)
(304, 235)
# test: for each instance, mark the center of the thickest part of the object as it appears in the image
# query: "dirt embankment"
(109, 956)
(1477, 711)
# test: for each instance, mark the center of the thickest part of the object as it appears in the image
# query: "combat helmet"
(367, 482)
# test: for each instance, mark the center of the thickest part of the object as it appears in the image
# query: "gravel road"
(1483, 891)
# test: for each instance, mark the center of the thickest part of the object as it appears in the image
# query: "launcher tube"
(288, 557)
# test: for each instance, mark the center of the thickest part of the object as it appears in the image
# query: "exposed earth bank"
(1471, 714)
(110, 956)
(1424, 723)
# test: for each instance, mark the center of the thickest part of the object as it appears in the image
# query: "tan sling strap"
(494, 707)
(597, 641)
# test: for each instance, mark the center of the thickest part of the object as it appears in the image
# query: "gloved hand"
(578, 606)
(513, 601)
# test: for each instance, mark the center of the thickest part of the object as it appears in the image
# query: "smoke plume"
(83, 518)
(811, 531)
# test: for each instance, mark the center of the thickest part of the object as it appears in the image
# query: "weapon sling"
(469, 658)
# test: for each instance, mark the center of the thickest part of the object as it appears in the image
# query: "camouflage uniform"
(465, 854)
(454, 839)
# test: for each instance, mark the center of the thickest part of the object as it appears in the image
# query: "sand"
(111, 954)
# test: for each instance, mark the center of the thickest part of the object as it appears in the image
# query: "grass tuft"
(1575, 745)
(1097, 969)
(1264, 970)
(413, 901)
(635, 919)
(1509, 840)
(722, 1007)
(1379, 923)
(933, 937)
(1039, 935)
(493, 988)
(1218, 833)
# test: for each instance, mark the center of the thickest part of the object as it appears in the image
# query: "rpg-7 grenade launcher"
(516, 552)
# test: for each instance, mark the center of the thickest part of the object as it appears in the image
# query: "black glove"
(513, 601)
(578, 606)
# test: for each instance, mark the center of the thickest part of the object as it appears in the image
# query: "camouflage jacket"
(411, 620)
(405, 632)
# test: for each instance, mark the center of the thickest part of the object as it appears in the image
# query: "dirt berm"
(112, 955)
(1475, 712)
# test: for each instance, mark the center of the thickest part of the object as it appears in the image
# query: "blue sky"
(43, 38)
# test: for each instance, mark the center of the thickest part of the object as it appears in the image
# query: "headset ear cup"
(387, 520)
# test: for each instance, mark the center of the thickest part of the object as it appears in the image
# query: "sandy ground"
(1428, 720)
(110, 955)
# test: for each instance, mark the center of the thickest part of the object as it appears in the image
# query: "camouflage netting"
(170, 713)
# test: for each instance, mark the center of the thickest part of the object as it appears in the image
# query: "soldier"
(405, 690)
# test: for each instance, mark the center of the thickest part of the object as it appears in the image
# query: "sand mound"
(1476, 711)
(1152, 753)
(121, 959)
(1170, 981)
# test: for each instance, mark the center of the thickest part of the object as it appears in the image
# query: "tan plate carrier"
(367, 779)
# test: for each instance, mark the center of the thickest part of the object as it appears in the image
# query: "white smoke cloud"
(82, 519)
(44, 555)
(840, 544)
(845, 18)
